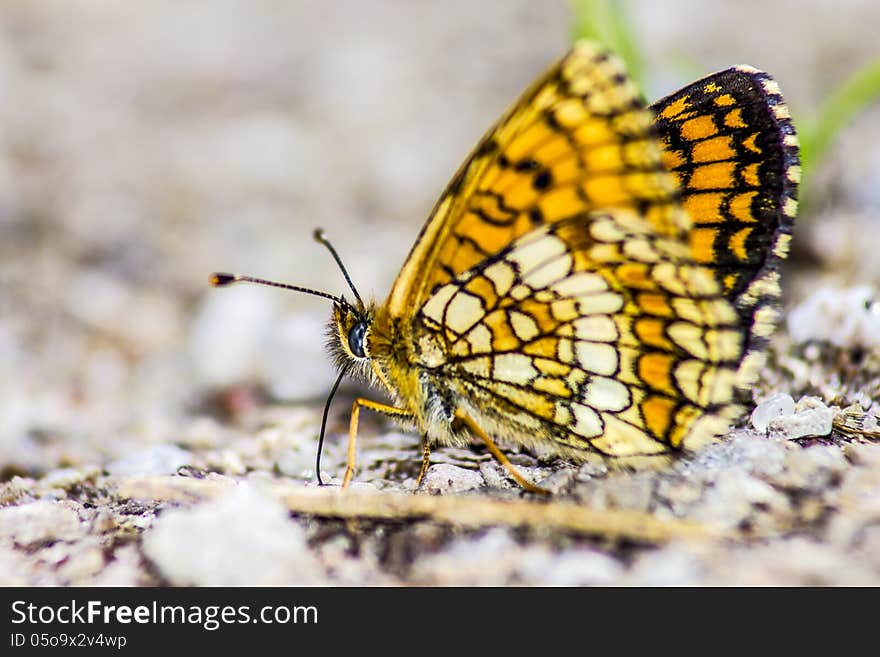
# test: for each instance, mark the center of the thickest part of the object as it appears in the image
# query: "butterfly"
(598, 277)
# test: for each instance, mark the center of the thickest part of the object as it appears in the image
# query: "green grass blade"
(846, 101)
(607, 21)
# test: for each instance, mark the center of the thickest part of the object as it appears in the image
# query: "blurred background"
(147, 143)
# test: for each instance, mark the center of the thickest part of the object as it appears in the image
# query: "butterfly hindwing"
(593, 332)
(729, 140)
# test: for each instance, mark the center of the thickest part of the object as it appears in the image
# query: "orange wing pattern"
(730, 142)
(579, 139)
(592, 333)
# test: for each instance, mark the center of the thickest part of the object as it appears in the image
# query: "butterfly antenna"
(324, 426)
(221, 279)
(320, 237)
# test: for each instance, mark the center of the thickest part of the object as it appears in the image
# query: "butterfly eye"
(356, 339)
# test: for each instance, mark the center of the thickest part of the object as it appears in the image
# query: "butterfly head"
(348, 336)
(348, 331)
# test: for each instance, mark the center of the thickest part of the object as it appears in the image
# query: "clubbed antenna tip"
(221, 279)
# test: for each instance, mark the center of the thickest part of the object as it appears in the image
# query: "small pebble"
(559, 481)
(155, 460)
(40, 522)
(442, 479)
(779, 405)
(67, 477)
(813, 418)
(242, 539)
(495, 475)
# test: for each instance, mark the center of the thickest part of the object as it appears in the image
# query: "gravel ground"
(155, 431)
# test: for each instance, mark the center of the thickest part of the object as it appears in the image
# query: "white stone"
(242, 539)
(123, 569)
(67, 477)
(813, 418)
(445, 478)
(779, 405)
(40, 522)
(155, 460)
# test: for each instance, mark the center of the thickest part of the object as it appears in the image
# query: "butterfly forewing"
(578, 140)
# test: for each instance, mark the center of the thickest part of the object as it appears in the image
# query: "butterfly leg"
(384, 409)
(426, 461)
(462, 417)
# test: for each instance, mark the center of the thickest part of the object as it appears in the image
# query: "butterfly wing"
(592, 333)
(579, 139)
(730, 142)
(558, 291)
